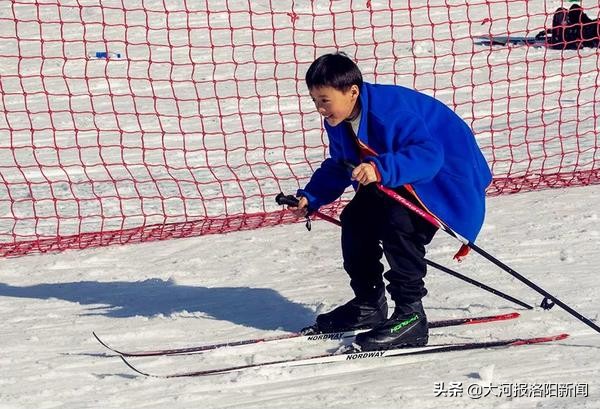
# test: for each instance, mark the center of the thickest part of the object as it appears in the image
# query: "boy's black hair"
(335, 70)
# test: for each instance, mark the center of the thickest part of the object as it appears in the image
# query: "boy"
(414, 144)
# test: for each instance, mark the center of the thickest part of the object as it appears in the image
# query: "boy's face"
(334, 105)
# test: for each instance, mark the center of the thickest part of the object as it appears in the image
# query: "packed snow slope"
(269, 281)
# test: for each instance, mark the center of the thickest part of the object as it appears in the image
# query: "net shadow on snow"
(261, 308)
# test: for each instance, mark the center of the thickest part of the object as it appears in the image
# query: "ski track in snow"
(240, 285)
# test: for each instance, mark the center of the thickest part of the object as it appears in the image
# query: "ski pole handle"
(289, 200)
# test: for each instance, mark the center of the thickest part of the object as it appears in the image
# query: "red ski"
(315, 337)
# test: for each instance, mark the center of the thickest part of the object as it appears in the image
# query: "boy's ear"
(354, 91)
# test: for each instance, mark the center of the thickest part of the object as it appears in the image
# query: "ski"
(509, 40)
(313, 337)
(353, 355)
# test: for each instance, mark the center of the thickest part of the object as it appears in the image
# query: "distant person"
(571, 30)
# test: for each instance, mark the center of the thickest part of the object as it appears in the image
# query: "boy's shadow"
(260, 308)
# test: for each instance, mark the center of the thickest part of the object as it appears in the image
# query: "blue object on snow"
(103, 54)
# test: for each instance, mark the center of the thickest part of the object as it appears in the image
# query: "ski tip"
(492, 318)
(540, 340)
(133, 368)
(105, 345)
(100, 341)
(558, 337)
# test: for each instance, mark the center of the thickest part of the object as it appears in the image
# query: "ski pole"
(549, 299)
(478, 284)
(293, 201)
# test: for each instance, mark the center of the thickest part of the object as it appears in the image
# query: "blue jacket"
(419, 141)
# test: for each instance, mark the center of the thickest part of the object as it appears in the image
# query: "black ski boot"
(407, 327)
(356, 314)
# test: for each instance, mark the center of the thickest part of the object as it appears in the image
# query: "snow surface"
(269, 281)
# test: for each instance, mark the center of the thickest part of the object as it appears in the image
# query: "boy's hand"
(365, 173)
(302, 209)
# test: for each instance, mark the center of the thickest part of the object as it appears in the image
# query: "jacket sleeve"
(326, 184)
(415, 156)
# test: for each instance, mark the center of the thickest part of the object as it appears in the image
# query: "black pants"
(374, 224)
